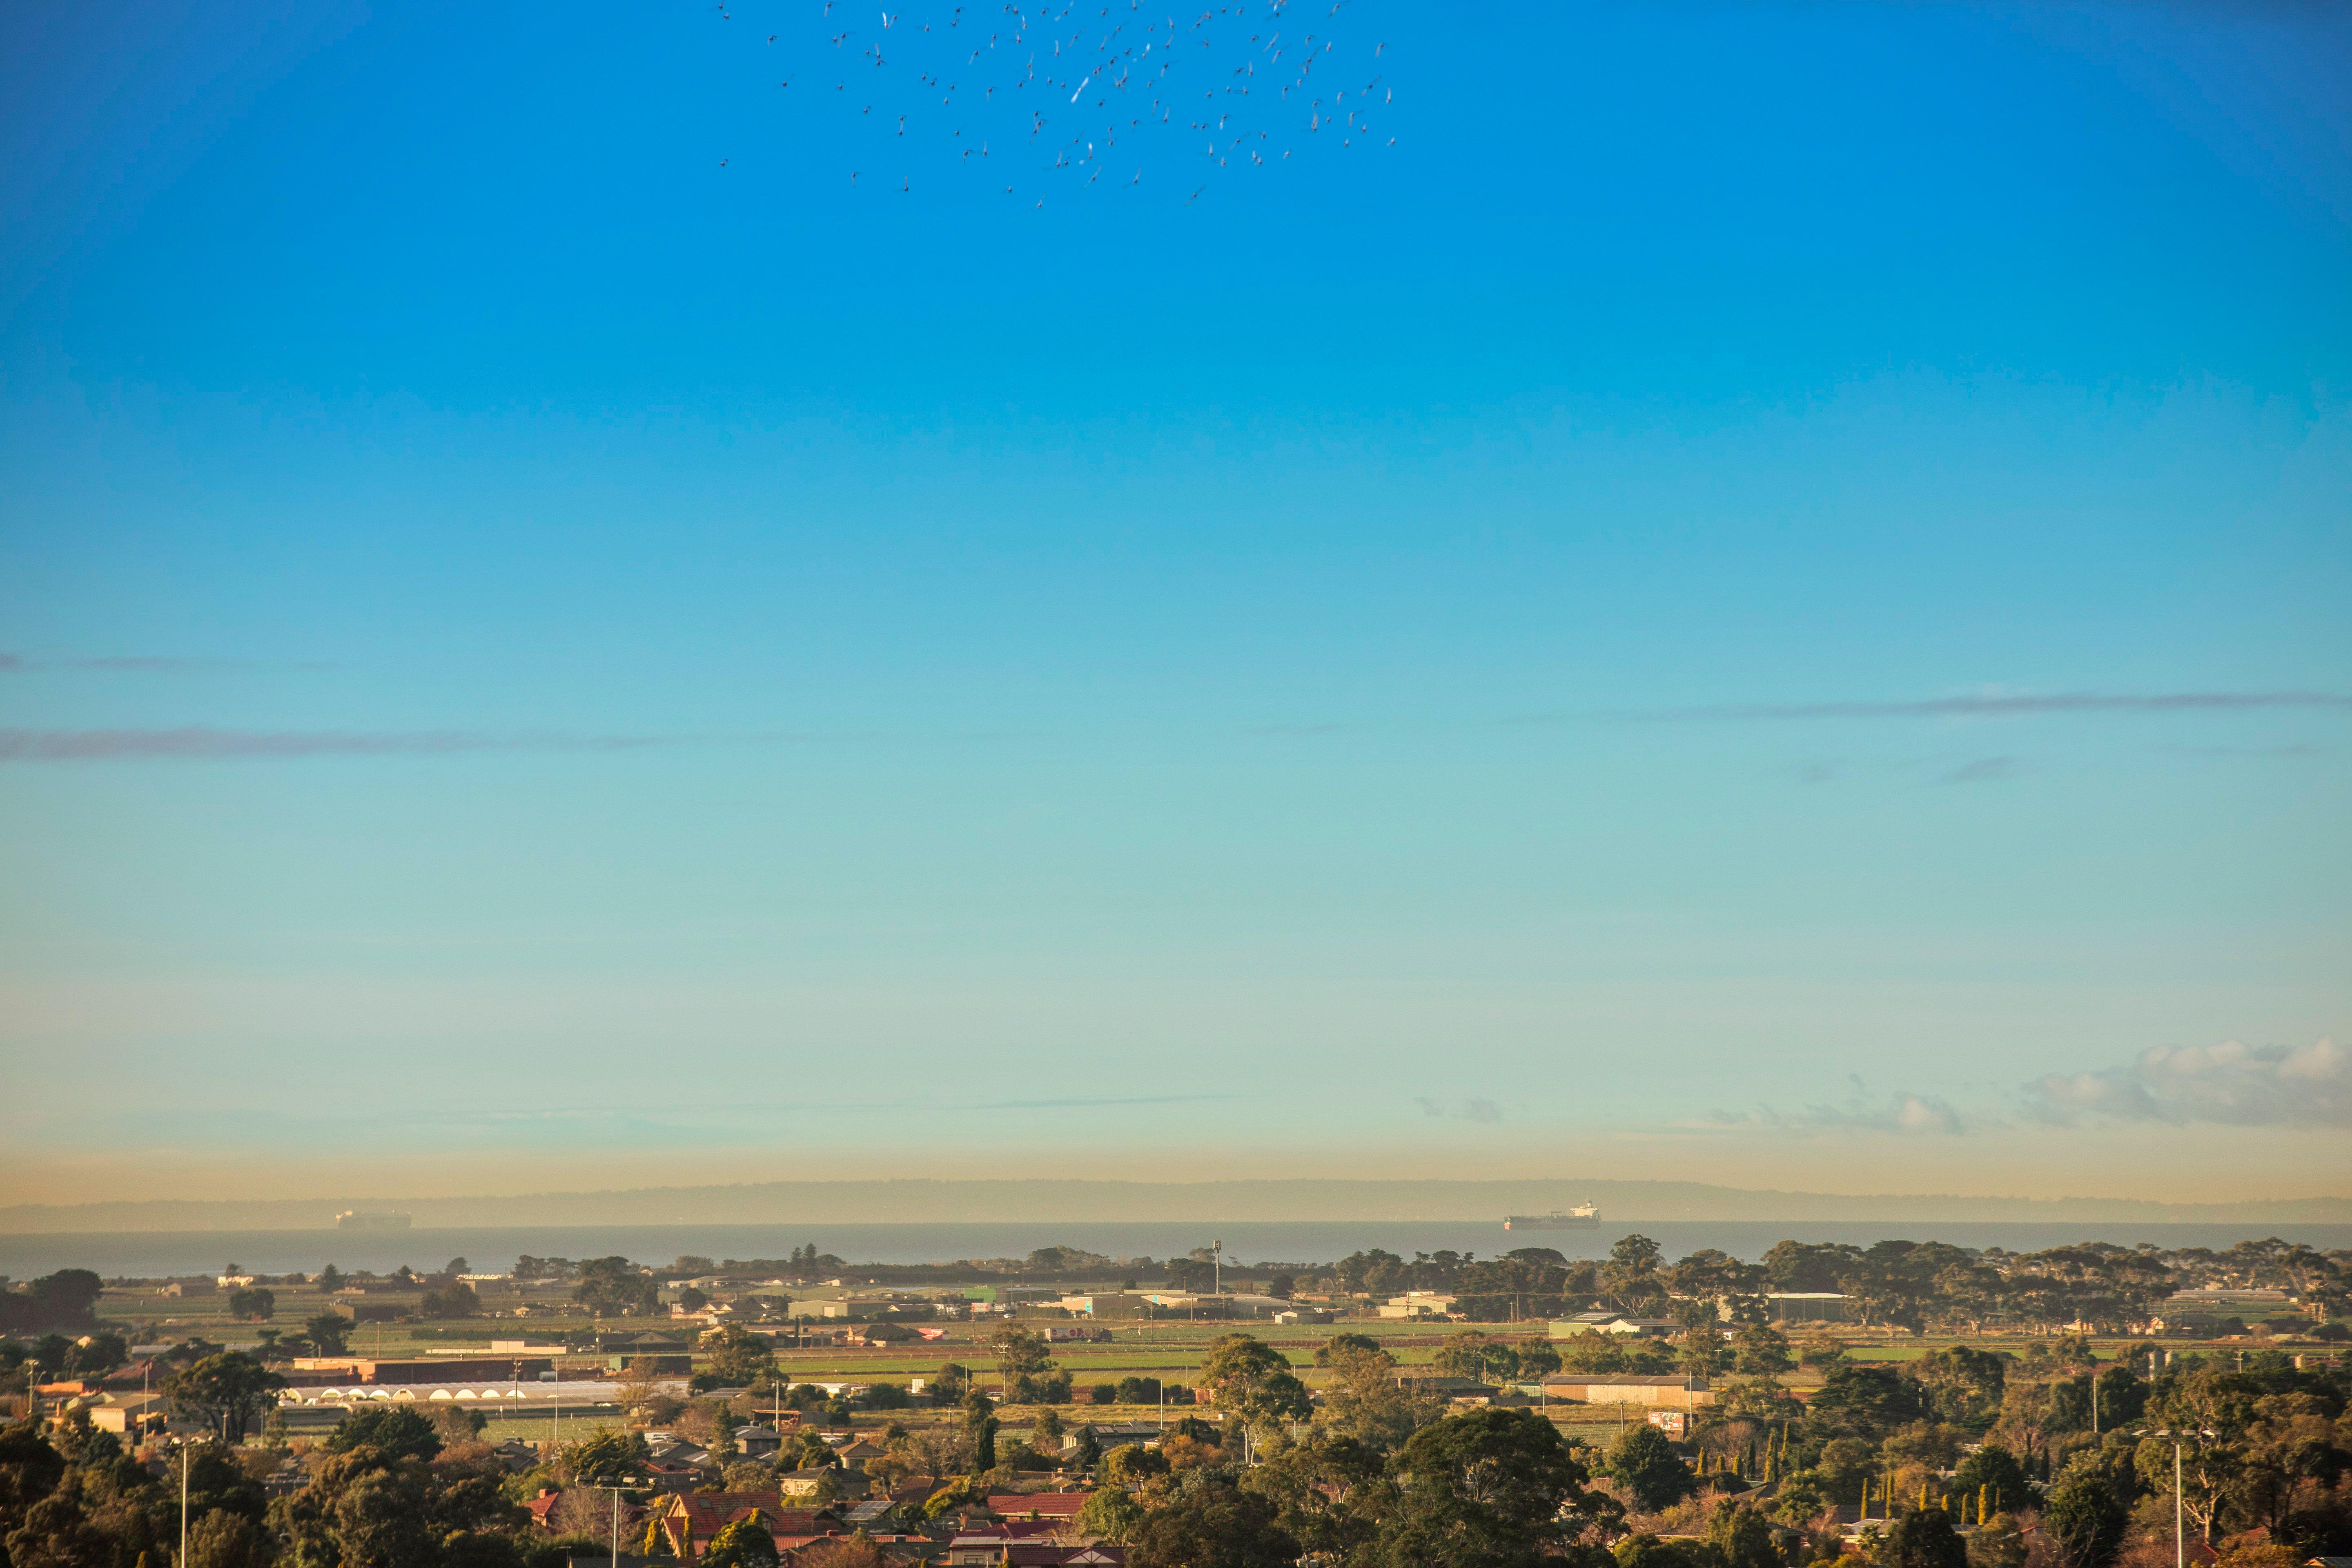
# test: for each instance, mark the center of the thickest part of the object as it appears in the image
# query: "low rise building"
(1579, 1324)
(1667, 1391)
(1807, 1307)
(1429, 1382)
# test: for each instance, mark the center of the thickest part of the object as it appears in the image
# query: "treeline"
(1918, 1286)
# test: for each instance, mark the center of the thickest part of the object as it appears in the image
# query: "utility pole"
(184, 1505)
(2180, 1531)
(2179, 1540)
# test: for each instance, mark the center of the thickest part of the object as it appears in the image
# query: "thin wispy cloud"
(1481, 1111)
(2007, 706)
(1086, 1104)
(2293, 749)
(1984, 770)
(199, 743)
(152, 664)
(1902, 1115)
(2230, 1084)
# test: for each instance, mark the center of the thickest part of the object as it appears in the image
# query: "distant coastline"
(915, 1201)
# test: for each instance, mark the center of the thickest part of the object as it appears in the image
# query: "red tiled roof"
(1011, 1529)
(1046, 1505)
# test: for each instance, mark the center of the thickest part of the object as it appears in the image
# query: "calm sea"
(489, 1249)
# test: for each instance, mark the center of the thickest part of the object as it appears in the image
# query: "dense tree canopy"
(1212, 1525)
(400, 1432)
(227, 1392)
(1488, 1488)
(615, 1288)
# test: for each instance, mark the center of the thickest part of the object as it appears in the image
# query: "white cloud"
(2230, 1083)
(1467, 1110)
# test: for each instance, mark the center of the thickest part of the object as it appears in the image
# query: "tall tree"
(1111, 1514)
(400, 1431)
(1253, 1381)
(226, 1391)
(328, 1332)
(1489, 1489)
(2088, 1508)
(1646, 1464)
(738, 1356)
(1019, 1352)
(1365, 1402)
(749, 1542)
(979, 1425)
(1924, 1538)
(254, 1303)
(617, 1288)
(1629, 1278)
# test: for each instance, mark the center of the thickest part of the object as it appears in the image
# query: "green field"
(1169, 1351)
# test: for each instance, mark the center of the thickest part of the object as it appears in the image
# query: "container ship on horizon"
(352, 1219)
(1583, 1216)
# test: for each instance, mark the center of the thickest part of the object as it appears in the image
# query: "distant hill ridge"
(941, 1202)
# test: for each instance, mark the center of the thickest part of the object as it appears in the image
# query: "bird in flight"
(1134, 53)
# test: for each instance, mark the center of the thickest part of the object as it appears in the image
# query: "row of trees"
(1911, 1285)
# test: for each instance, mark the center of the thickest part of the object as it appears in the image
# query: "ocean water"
(494, 1249)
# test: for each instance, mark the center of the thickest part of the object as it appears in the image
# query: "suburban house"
(690, 1521)
(758, 1442)
(846, 1483)
(1109, 1434)
(1036, 1504)
(1416, 1304)
(129, 1413)
(858, 1452)
(991, 1543)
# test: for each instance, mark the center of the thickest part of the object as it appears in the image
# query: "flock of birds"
(1033, 96)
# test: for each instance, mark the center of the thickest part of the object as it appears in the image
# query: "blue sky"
(1636, 630)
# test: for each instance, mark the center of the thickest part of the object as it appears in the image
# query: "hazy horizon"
(1045, 1201)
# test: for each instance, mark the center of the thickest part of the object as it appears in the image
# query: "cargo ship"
(352, 1219)
(1583, 1216)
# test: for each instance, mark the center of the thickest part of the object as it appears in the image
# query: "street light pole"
(2180, 1531)
(2179, 1540)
